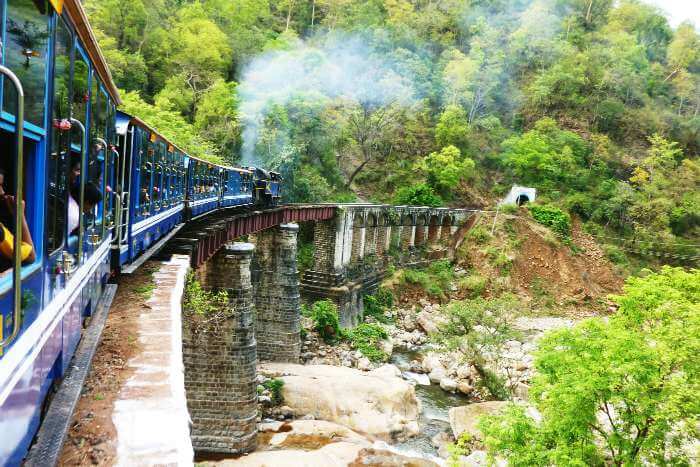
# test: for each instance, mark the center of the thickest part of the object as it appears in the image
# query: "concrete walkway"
(150, 414)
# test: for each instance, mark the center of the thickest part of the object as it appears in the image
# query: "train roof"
(122, 125)
(75, 11)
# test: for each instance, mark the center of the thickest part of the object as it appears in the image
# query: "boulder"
(387, 370)
(335, 454)
(373, 403)
(464, 419)
(448, 384)
(437, 375)
(464, 387)
(428, 322)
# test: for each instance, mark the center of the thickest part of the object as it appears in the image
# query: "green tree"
(626, 389)
(446, 169)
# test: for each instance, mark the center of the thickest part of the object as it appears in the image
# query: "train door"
(125, 142)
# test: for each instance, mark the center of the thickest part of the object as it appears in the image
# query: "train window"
(146, 169)
(60, 139)
(26, 50)
(96, 161)
(81, 94)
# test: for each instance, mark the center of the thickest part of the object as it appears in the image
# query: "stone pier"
(220, 359)
(278, 309)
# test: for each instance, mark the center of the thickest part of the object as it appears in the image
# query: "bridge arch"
(446, 229)
(407, 229)
(434, 229)
(358, 237)
(371, 234)
(421, 224)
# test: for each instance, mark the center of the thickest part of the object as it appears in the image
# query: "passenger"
(92, 198)
(7, 238)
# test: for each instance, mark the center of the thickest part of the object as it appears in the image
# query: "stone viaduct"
(253, 257)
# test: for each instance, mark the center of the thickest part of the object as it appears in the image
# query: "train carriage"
(151, 188)
(57, 134)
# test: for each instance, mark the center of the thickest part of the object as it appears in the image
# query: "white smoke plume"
(339, 66)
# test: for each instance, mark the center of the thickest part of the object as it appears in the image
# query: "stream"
(434, 418)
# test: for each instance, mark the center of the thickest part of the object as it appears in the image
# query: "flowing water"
(435, 405)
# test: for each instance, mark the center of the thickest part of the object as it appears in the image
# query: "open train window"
(59, 151)
(8, 187)
(26, 50)
(146, 171)
(96, 161)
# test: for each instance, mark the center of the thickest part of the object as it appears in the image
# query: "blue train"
(86, 191)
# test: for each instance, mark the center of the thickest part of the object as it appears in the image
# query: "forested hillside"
(595, 103)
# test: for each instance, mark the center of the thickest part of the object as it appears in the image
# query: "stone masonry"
(352, 249)
(220, 359)
(278, 309)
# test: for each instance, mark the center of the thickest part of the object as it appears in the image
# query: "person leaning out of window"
(7, 238)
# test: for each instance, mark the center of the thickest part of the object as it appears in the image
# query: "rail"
(19, 198)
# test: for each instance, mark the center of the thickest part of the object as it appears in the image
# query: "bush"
(479, 234)
(275, 387)
(552, 217)
(385, 297)
(615, 254)
(305, 256)
(374, 309)
(435, 279)
(366, 338)
(475, 283)
(420, 194)
(324, 314)
(200, 301)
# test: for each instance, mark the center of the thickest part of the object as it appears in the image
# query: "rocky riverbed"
(410, 408)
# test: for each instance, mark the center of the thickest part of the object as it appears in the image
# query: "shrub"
(510, 208)
(385, 297)
(200, 301)
(366, 338)
(324, 314)
(615, 254)
(435, 279)
(552, 217)
(373, 308)
(475, 283)
(275, 387)
(479, 234)
(305, 256)
(420, 194)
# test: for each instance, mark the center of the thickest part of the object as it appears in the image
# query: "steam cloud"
(340, 67)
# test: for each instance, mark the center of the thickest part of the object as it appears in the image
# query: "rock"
(270, 427)
(448, 384)
(430, 362)
(387, 370)
(308, 416)
(373, 456)
(364, 364)
(437, 375)
(441, 438)
(419, 378)
(387, 346)
(311, 433)
(333, 454)
(464, 419)
(521, 391)
(464, 371)
(371, 403)
(464, 387)
(285, 411)
(265, 400)
(427, 322)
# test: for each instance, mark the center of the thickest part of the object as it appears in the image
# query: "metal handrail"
(19, 212)
(83, 161)
(104, 194)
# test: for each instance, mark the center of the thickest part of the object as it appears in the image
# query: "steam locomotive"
(85, 191)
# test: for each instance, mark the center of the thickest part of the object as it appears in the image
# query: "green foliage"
(461, 447)
(375, 309)
(625, 388)
(477, 327)
(275, 386)
(324, 314)
(446, 169)
(366, 338)
(474, 283)
(480, 234)
(420, 194)
(305, 256)
(435, 279)
(552, 217)
(200, 301)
